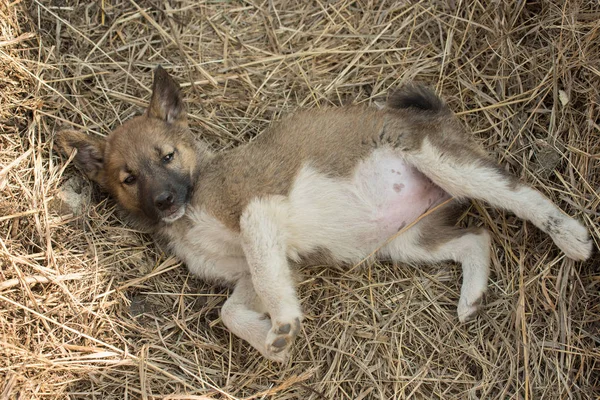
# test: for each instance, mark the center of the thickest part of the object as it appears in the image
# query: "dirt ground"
(90, 308)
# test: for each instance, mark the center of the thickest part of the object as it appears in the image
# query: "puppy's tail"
(418, 97)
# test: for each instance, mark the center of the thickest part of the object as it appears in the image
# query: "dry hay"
(90, 308)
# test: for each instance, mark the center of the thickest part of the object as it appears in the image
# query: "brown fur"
(441, 225)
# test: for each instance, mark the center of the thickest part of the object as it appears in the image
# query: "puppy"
(345, 182)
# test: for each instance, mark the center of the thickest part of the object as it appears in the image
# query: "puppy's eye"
(168, 158)
(130, 180)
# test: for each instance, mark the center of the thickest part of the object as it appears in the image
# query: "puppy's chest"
(209, 249)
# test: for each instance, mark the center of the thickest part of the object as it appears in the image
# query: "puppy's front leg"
(264, 240)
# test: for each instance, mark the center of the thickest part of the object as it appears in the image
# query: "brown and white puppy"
(339, 182)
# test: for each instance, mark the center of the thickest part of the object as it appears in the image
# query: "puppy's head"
(150, 162)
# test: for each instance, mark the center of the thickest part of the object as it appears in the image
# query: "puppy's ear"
(90, 152)
(166, 102)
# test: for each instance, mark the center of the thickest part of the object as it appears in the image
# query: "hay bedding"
(91, 308)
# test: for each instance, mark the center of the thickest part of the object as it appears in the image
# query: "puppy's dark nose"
(164, 200)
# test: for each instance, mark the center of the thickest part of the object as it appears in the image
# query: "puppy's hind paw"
(572, 237)
(468, 310)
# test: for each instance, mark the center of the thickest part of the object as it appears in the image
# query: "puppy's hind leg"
(245, 316)
(477, 178)
(430, 242)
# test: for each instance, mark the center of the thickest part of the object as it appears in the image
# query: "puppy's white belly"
(352, 217)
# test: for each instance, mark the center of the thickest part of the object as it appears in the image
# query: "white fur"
(264, 241)
(244, 315)
(351, 218)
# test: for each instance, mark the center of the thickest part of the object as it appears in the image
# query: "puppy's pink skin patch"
(398, 191)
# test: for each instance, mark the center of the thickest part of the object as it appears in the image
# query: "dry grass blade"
(91, 308)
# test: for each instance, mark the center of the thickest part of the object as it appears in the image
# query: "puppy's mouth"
(173, 213)
(177, 209)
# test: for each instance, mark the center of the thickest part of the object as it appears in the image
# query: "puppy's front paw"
(281, 336)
